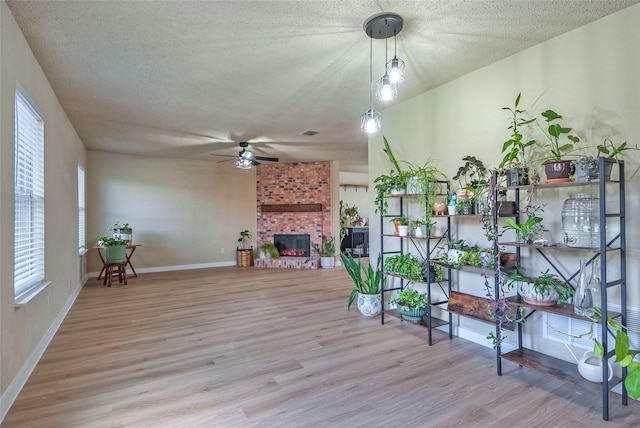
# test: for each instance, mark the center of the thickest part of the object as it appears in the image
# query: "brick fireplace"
(293, 198)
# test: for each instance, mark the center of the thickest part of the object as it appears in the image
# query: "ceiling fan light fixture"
(243, 163)
(371, 121)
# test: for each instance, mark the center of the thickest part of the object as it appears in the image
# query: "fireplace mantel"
(290, 208)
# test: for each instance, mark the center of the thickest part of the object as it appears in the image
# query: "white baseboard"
(476, 337)
(176, 267)
(11, 393)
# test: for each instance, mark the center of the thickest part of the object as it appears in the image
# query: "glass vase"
(594, 284)
(582, 300)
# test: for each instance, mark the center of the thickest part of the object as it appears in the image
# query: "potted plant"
(405, 265)
(411, 304)
(530, 230)
(244, 255)
(115, 248)
(368, 282)
(546, 289)
(586, 167)
(123, 231)
(514, 159)
(350, 212)
(401, 224)
(268, 251)
(556, 166)
(326, 250)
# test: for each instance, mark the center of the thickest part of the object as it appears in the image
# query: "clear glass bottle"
(594, 284)
(582, 301)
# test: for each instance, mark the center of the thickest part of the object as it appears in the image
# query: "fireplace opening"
(293, 245)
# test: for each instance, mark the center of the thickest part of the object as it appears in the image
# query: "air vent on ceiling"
(309, 132)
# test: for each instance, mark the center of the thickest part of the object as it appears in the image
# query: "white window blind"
(29, 196)
(81, 209)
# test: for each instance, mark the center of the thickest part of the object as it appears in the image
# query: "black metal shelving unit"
(537, 360)
(419, 245)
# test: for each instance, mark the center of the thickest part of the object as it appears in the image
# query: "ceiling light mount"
(383, 25)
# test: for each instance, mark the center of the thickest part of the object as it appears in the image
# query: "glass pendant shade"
(395, 70)
(371, 121)
(385, 90)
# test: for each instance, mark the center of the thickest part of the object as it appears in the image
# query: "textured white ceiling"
(187, 78)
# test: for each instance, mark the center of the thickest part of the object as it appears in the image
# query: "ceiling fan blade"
(266, 159)
(226, 160)
(224, 156)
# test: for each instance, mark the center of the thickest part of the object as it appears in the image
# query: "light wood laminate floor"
(248, 347)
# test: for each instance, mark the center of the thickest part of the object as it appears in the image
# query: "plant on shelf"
(327, 247)
(115, 248)
(465, 206)
(368, 281)
(545, 289)
(472, 183)
(400, 221)
(409, 298)
(514, 149)
(269, 251)
(555, 152)
(531, 229)
(404, 265)
(411, 304)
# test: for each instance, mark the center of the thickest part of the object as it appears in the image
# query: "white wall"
(25, 331)
(591, 76)
(184, 213)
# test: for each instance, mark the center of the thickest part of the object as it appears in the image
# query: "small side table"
(130, 250)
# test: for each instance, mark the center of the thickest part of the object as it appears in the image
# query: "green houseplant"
(326, 250)
(268, 251)
(115, 248)
(411, 304)
(546, 289)
(244, 252)
(531, 229)
(557, 167)
(514, 152)
(404, 265)
(368, 282)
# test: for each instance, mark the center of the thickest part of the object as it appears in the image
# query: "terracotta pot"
(439, 208)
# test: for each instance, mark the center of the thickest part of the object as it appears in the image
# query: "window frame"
(29, 199)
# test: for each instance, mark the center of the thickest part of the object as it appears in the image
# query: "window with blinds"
(29, 197)
(81, 209)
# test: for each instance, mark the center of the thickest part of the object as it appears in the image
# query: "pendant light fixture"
(370, 122)
(385, 89)
(395, 67)
(380, 26)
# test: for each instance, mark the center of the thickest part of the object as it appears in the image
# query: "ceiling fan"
(247, 159)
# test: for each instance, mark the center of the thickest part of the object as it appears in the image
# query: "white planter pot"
(403, 230)
(327, 262)
(451, 209)
(454, 255)
(369, 305)
(530, 295)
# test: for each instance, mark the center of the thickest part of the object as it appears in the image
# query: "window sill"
(26, 297)
(83, 251)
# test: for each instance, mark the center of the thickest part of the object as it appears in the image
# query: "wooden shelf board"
(555, 185)
(469, 306)
(560, 369)
(564, 309)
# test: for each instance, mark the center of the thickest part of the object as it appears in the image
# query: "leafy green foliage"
(111, 242)
(514, 148)
(327, 248)
(554, 150)
(409, 298)
(543, 283)
(529, 230)
(610, 150)
(367, 280)
(405, 265)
